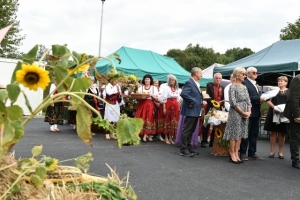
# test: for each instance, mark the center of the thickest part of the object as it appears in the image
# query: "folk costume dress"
(146, 110)
(92, 100)
(172, 111)
(159, 113)
(112, 92)
(54, 114)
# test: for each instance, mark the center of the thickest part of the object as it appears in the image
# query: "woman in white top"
(171, 108)
(112, 92)
(146, 108)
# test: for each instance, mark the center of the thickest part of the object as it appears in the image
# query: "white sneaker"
(150, 138)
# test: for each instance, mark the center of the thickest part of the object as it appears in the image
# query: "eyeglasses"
(243, 74)
(254, 72)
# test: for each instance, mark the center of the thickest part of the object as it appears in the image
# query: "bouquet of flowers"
(130, 83)
(129, 86)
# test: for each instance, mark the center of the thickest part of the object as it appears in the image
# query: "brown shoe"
(255, 157)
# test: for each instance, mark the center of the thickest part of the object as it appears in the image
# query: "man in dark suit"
(191, 109)
(249, 144)
(216, 92)
(292, 111)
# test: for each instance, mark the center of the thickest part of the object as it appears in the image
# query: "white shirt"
(168, 93)
(52, 89)
(152, 90)
(226, 96)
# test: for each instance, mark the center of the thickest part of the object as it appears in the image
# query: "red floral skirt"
(159, 119)
(146, 111)
(171, 117)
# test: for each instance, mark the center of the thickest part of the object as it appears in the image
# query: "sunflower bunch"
(215, 104)
(132, 78)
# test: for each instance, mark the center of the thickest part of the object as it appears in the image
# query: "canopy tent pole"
(99, 54)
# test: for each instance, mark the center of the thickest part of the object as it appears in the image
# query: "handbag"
(120, 98)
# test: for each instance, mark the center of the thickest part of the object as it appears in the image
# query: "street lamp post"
(101, 28)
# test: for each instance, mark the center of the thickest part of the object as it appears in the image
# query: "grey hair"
(217, 74)
(251, 69)
(195, 70)
(173, 77)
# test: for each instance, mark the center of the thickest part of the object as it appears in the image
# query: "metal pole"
(99, 54)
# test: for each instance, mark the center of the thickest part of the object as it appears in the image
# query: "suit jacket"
(210, 92)
(254, 95)
(192, 99)
(292, 107)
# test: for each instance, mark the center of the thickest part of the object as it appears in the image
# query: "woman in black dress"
(277, 130)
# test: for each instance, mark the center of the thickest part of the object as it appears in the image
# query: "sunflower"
(218, 133)
(215, 104)
(33, 77)
(82, 68)
(51, 163)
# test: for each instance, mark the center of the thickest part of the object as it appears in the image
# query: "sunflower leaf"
(83, 124)
(59, 50)
(36, 180)
(60, 74)
(77, 56)
(41, 171)
(14, 131)
(80, 84)
(3, 95)
(14, 112)
(13, 91)
(128, 130)
(118, 57)
(65, 61)
(31, 55)
(18, 67)
(81, 162)
(2, 107)
(37, 150)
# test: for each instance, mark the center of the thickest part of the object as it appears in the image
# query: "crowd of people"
(175, 115)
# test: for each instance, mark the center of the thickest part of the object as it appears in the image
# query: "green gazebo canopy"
(140, 62)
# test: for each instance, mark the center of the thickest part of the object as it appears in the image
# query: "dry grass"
(9, 174)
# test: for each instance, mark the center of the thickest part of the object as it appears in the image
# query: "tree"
(183, 59)
(206, 56)
(292, 31)
(243, 53)
(11, 42)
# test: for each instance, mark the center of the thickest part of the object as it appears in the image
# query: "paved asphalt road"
(158, 172)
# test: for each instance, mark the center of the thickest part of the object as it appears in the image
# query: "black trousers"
(294, 140)
(250, 143)
(189, 127)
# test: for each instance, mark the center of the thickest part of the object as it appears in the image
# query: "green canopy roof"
(140, 62)
(282, 56)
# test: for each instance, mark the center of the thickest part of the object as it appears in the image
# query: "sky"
(156, 25)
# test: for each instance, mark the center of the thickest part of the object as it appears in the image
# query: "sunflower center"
(32, 78)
